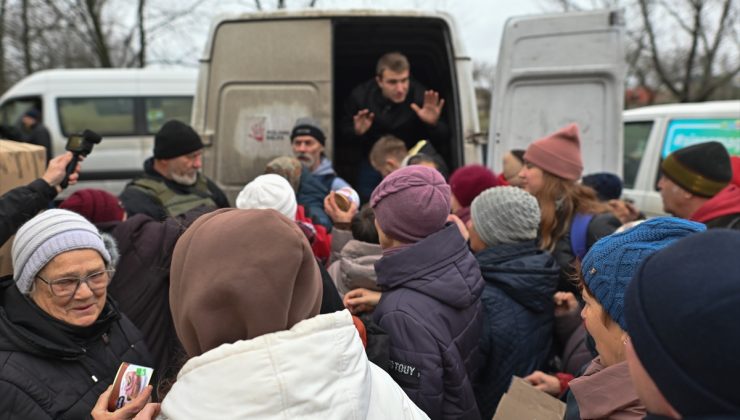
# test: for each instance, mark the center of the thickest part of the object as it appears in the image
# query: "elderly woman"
(605, 390)
(61, 339)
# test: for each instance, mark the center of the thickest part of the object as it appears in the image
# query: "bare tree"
(142, 34)
(26, 38)
(3, 4)
(690, 48)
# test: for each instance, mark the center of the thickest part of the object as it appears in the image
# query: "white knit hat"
(503, 215)
(47, 235)
(269, 191)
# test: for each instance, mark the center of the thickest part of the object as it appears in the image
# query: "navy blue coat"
(520, 282)
(311, 194)
(432, 313)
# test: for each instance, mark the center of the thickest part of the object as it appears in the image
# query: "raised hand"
(431, 110)
(363, 121)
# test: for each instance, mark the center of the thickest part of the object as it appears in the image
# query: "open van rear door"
(253, 85)
(557, 69)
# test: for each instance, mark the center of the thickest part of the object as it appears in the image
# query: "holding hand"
(624, 211)
(128, 411)
(336, 214)
(57, 169)
(361, 300)
(460, 226)
(432, 108)
(565, 303)
(363, 121)
(544, 382)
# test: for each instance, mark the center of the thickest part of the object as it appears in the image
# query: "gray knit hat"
(47, 235)
(503, 215)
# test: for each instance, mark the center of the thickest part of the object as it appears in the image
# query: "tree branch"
(686, 90)
(712, 51)
(142, 35)
(654, 50)
(709, 89)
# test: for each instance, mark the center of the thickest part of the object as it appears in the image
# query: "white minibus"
(125, 106)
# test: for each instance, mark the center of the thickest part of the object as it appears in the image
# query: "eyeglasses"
(67, 286)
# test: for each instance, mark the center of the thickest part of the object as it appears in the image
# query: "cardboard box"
(20, 163)
(523, 401)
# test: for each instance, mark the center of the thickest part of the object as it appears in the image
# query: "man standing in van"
(391, 103)
(695, 184)
(172, 183)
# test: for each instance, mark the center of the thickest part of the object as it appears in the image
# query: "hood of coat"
(726, 202)
(440, 266)
(24, 327)
(357, 264)
(317, 369)
(325, 167)
(524, 272)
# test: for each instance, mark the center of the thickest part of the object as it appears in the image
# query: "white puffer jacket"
(315, 370)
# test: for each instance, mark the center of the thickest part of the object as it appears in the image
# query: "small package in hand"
(130, 382)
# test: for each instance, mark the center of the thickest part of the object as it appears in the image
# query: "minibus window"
(11, 111)
(106, 116)
(160, 110)
(636, 135)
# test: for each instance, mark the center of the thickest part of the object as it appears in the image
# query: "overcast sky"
(480, 23)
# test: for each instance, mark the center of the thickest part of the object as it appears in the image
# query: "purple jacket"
(431, 310)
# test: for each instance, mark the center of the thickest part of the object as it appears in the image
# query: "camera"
(80, 145)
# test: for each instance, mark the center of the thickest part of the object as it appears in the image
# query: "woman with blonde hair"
(572, 218)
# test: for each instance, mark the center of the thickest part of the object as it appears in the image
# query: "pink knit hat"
(558, 153)
(411, 203)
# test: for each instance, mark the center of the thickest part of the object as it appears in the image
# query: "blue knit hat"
(611, 262)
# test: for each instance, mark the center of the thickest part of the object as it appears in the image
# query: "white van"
(653, 132)
(262, 71)
(125, 106)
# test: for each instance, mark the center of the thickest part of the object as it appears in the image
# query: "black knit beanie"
(682, 309)
(703, 169)
(308, 127)
(174, 139)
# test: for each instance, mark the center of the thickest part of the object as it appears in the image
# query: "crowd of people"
(421, 301)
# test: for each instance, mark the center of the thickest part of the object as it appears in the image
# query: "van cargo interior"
(359, 42)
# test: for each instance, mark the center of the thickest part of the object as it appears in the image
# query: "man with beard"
(308, 141)
(172, 183)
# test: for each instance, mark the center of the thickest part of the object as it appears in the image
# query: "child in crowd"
(431, 285)
(517, 299)
(466, 183)
(355, 264)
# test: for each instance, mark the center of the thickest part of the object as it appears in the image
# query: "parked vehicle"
(249, 95)
(125, 106)
(651, 133)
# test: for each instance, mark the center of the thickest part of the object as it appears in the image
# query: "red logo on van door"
(257, 130)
